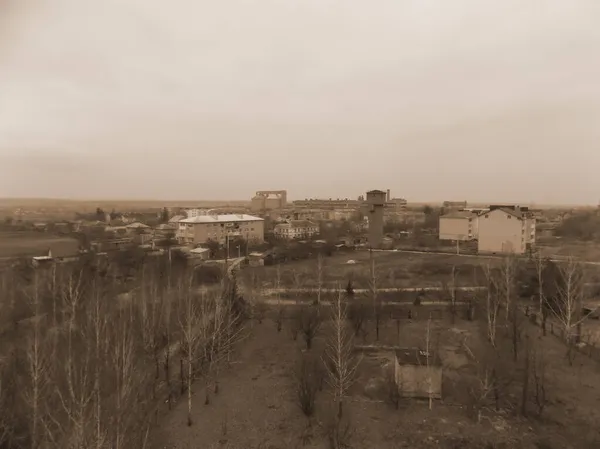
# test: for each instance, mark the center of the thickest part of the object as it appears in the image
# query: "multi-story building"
(296, 229)
(265, 200)
(459, 225)
(202, 228)
(506, 229)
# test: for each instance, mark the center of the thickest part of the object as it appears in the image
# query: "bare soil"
(256, 405)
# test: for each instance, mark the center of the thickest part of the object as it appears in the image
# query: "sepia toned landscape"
(299, 224)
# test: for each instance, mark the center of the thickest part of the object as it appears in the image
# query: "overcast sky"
(482, 100)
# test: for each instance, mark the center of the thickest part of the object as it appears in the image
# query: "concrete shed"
(418, 374)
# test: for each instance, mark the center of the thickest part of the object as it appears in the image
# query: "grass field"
(394, 269)
(256, 405)
(22, 244)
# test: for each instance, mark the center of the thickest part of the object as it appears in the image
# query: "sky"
(476, 100)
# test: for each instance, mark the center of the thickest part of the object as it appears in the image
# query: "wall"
(419, 381)
(454, 228)
(500, 234)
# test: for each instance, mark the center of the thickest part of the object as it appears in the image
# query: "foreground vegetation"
(304, 377)
(90, 350)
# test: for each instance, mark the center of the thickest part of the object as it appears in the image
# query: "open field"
(22, 244)
(394, 269)
(589, 251)
(256, 405)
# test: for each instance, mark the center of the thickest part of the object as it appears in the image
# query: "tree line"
(89, 352)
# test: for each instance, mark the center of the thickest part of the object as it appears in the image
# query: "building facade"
(376, 200)
(506, 230)
(265, 200)
(202, 228)
(296, 229)
(460, 225)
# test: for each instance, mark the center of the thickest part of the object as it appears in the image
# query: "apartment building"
(459, 225)
(201, 228)
(296, 229)
(506, 230)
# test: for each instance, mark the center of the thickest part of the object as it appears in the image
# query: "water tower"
(376, 200)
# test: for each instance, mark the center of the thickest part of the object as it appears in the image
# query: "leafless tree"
(193, 326)
(393, 389)
(279, 317)
(308, 322)
(357, 315)
(6, 424)
(307, 384)
(452, 290)
(37, 367)
(125, 377)
(428, 362)
(297, 283)
(340, 361)
(492, 305)
(567, 308)
(539, 379)
(540, 264)
(506, 283)
(320, 277)
(373, 286)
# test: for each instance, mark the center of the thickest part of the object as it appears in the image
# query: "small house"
(256, 259)
(418, 373)
(199, 253)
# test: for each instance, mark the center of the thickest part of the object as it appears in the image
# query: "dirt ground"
(256, 406)
(394, 269)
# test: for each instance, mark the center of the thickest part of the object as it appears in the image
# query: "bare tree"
(357, 315)
(539, 379)
(320, 277)
(492, 305)
(307, 384)
(279, 316)
(126, 379)
(393, 389)
(6, 424)
(37, 367)
(540, 264)
(373, 286)
(340, 361)
(428, 362)
(451, 288)
(308, 322)
(567, 307)
(192, 328)
(506, 283)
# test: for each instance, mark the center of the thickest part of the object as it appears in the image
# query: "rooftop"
(225, 218)
(415, 356)
(459, 214)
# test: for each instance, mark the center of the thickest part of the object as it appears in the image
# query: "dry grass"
(395, 269)
(21, 244)
(256, 406)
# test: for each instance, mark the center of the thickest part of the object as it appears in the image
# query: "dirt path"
(250, 408)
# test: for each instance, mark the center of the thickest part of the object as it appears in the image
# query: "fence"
(587, 341)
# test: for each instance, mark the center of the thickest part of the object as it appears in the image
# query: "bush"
(309, 379)
(208, 274)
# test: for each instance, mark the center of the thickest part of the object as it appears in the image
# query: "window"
(487, 216)
(509, 217)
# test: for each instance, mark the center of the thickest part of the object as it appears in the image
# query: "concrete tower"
(376, 200)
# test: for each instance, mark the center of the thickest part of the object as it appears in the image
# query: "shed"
(418, 373)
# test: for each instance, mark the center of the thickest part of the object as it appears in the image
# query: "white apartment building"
(296, 229)
(459, 225)
(191, 213)
(506, 230)
(202, 228)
